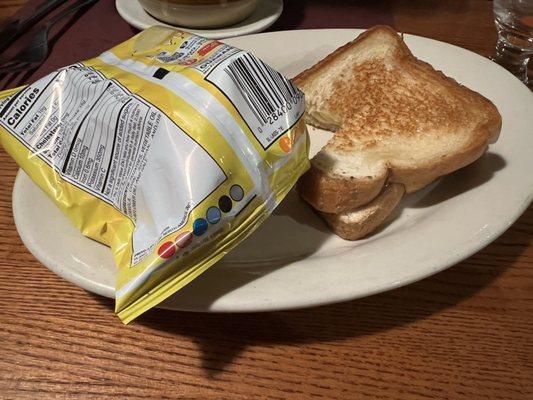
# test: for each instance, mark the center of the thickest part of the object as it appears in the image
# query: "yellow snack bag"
(169, 148)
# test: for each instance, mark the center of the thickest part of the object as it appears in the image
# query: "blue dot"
(199, 226)
(213, 215)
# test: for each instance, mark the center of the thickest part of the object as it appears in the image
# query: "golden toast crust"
(363, 221)
(335, 195)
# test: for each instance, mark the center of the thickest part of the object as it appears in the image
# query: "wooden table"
(466, 333)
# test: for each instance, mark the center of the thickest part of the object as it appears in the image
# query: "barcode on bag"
(269, 103)
(263, 88)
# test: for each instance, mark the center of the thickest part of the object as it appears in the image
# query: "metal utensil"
(16, 26)
(36, 51)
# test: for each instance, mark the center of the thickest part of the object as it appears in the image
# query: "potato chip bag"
(169, 148)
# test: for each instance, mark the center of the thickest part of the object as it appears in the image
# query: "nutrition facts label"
(90, 129)
(113, 144)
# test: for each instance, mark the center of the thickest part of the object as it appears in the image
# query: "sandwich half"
(397, 123)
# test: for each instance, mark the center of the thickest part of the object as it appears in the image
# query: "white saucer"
(267, 12)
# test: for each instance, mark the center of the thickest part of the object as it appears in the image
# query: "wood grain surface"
(9, 7)
(466, 333)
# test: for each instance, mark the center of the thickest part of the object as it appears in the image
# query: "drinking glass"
(514, 23)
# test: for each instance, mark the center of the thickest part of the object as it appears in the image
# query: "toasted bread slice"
(358, 223)
(395, 118)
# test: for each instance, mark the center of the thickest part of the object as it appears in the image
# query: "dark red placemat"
(101, 27)
(311, 14)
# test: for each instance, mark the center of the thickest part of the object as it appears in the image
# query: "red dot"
(166, 250)
(184, 239)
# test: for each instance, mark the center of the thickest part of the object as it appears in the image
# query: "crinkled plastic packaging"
(169, 148)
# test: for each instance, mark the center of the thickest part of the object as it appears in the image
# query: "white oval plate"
(266, 13)
(292, 260)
